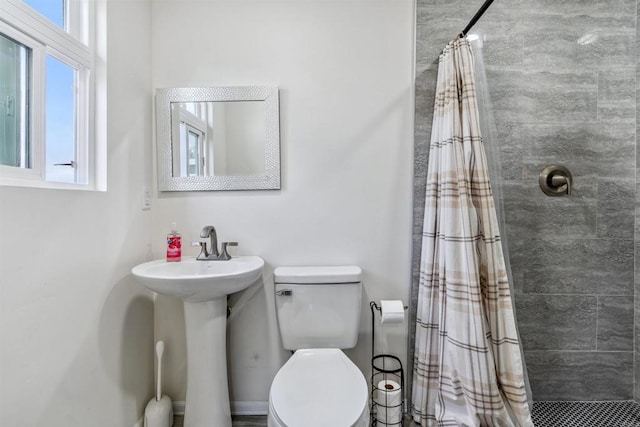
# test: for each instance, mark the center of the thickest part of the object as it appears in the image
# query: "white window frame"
(184, 151)
(194, 124)
(75, 46)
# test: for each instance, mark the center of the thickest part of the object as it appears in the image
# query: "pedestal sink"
(203, 286)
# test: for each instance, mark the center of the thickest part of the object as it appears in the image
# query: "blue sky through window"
(52, 9)
(60, 120)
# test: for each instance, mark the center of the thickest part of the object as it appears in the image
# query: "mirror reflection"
(218, 138)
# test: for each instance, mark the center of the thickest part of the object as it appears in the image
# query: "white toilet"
(318, 311)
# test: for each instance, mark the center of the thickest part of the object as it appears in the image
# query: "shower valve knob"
(555, 180)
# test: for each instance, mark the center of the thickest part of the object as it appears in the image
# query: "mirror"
(219, 138)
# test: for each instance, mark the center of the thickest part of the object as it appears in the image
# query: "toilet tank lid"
(318, 274)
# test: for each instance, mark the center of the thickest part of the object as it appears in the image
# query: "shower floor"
(586, 414)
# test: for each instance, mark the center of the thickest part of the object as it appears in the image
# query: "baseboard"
(178, 407)
(249, 408)
(237, 408)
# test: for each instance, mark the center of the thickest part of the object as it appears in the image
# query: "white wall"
(344, 68)
(218, 121)
(246, 128)
(76, 333)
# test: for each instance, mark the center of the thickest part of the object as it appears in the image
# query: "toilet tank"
(318, 307)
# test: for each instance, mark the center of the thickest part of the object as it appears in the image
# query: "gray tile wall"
(636, 358)
(562, 76)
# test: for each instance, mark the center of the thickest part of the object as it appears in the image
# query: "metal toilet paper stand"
(386, 370)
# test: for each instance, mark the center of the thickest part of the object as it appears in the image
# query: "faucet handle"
(203, 249)
(224, 255)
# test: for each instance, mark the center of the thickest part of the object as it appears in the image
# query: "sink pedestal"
(207, 399)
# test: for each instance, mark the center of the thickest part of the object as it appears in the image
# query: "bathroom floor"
(545, 414)
(260, 421)
(237, 421)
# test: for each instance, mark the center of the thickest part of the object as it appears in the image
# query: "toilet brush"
(159, 412)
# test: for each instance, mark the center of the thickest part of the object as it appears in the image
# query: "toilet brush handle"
(159, 351)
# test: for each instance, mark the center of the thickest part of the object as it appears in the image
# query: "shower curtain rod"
(477, 16)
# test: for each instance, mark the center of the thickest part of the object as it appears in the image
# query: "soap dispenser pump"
(174, 245)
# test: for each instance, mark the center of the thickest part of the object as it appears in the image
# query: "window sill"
(33, 183)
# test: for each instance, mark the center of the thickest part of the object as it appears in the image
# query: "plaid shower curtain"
(468, 369)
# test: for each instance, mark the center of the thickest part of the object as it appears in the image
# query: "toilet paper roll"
(389, 403)
(392, 311)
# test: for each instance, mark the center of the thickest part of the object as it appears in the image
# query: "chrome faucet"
(210, 232)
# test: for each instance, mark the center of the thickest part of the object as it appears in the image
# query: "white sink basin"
(194, 280)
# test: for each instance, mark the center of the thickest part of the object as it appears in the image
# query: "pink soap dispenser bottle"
(174, 245)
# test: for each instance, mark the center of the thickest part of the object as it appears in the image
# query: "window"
(46, 96)
(14, 78)
(190, 153)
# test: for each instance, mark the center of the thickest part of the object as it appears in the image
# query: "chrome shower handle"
(558, 181)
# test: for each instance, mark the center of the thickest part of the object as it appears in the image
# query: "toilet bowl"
(319, 388)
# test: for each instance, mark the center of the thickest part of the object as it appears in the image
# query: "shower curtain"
(468, 369)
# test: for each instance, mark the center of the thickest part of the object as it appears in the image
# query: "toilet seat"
(319, 388)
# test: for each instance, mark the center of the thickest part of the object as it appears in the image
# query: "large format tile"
(615, 323)
(625, 9)
(516, 255)
(543, 96)
(637, 330)
(637, 206)
(557, 322)
(509, 140)
(616, 96)
(616, 208)
(464, 5)
(597, 150)
(436, 26)
(530, 213)
(580, 375)
(445, 19)
(498, 50)
(637, 226)
(424, 103)
(579, 266)
(617, 86)
(576, 42)
(503, 18)
(616, 113)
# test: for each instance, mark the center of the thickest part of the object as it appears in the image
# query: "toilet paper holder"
(387, 404)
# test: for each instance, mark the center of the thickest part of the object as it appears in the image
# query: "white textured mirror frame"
(270, 180)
